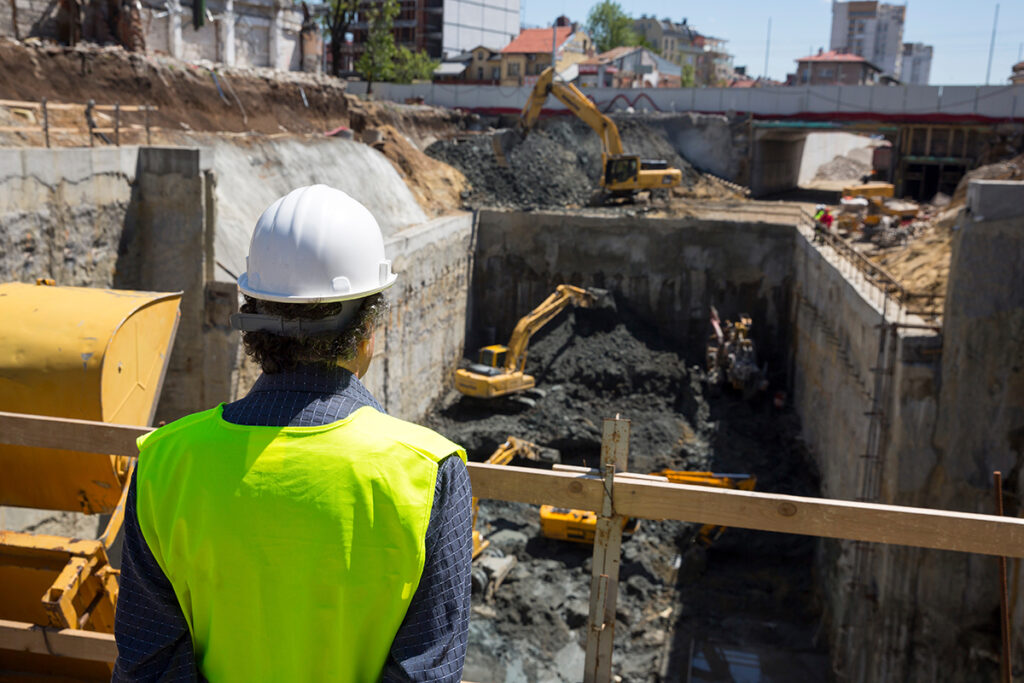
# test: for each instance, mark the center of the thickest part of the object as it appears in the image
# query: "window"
(480, 73)
(495, 73)
(513, 68)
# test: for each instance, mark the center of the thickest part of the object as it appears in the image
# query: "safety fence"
(37, 115)
(611, 491)
(922, 304)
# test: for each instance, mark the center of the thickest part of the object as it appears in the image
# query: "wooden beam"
(66, 642)
(898, 525)
(67, 434)
(604, 581)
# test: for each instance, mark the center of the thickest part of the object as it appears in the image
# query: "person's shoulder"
(409, 434)
(175, 428)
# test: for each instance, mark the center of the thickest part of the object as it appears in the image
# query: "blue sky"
(958, 30)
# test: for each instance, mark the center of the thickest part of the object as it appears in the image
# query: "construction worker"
(822, 221)
(299, 533)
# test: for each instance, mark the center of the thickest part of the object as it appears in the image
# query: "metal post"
(117, 124)
(147, 124)
(46, 123)
(88, 120)
(604, 583)
(1004, 607)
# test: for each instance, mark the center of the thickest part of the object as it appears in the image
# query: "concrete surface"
(821, 148)
(907, 102)
(416, 356)
(252, 174)
(62, 213)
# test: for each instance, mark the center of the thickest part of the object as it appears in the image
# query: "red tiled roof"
(617, 52)
(833, 56)
(534, 40)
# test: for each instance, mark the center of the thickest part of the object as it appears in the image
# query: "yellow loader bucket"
(73, 352)
(90, 354)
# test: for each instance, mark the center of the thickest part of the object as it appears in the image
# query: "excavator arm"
(578, 103)
(563, 295)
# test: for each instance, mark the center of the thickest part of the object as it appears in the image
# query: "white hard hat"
(316, 244)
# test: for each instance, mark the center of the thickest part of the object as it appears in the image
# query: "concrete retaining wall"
(62, 213)
(907, 101)
(669, 271)
(422, 342)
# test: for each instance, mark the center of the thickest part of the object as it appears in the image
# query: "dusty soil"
(559, 164)
(214, 98)
(750, 589)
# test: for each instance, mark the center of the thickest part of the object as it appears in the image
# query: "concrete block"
(991, 200)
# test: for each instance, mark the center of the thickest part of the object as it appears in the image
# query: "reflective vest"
(293, 551)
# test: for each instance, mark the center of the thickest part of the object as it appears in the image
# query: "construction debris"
(595, 363)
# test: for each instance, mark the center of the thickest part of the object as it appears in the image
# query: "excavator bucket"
(601, 298)
(91, 354)
(503, 142)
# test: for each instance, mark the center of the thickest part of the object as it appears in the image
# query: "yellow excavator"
(503, 455)
(622, 174)
(579, 526)
(500, 370)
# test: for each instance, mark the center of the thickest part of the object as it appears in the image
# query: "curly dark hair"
(276, 353)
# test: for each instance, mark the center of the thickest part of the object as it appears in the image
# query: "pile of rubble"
(558, 164)
(751, 589)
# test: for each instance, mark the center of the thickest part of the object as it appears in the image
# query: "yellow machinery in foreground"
(503, 455)
(579, 526)
(90, 354)
(621, 174)
(500, 370)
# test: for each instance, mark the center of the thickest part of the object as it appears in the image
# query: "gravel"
(751, 589)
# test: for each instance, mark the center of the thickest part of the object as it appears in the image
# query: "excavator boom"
(621, 173)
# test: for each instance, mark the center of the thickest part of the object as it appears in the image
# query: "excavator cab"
(621, 170)
(493, 356)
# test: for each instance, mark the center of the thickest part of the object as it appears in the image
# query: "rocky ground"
(558, 164)
(752, 590)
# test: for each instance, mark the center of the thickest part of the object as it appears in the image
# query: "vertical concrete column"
(174, 27)
(173, 249)
(276, 36)
(227, 33)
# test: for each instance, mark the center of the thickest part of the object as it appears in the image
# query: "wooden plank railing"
(627, 494)
(45, 107)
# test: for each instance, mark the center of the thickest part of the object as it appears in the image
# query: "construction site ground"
(750, 591)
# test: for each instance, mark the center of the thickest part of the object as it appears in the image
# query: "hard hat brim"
(243, 286)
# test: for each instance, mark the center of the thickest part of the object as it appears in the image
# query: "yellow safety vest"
(293, 551)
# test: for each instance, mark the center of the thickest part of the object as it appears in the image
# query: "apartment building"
(916, 65)
(873, 30)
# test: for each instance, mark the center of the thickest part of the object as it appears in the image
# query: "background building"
(872, 30)
(448, 27)
(916, 63)
(834, 68)
(526, 57)
(703, 56)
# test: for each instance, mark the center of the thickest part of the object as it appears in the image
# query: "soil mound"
(557, 165)
(750, 588)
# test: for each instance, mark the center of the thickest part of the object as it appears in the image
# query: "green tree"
(411, 66)
(377, 63)
(610, 26)
(688, 79)
(339, 16)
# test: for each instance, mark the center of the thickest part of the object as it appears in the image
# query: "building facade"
(526, 57)
(834, 68)
(873, 30)
(704, 59)
(446, 28)
(916, 65)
